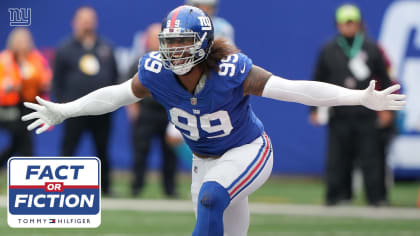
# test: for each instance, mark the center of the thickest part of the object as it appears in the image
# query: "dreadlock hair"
(220, 49)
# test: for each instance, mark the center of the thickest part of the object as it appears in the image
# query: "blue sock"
(212, 202)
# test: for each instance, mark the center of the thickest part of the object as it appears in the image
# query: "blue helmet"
(186, 38)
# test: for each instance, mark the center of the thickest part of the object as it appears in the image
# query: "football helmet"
(185, 39)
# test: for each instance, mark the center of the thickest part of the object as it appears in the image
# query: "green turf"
(306, 190)
(278, 189)
(124, 223)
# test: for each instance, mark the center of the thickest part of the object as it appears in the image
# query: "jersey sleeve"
(235, 69)
(153, 75)
(143, 73)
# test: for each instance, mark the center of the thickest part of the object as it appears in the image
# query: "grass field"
(126, 223)
(277, 190)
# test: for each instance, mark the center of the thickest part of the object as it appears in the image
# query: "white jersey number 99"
(191, 125)
(227, 67)
(153, 65)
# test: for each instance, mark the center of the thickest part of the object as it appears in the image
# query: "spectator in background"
(150, 120)
(24, 74)
(222, 28)
(84, 63)
(387, 131)
(352, 60)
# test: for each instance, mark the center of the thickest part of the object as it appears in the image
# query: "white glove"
(382, 100)
(47, 113)
(98, 102)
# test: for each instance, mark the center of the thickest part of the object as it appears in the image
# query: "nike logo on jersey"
(243, 69)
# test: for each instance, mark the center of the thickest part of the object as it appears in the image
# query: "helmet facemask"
(181, 51)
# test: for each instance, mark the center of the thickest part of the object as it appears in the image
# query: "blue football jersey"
(217, 118)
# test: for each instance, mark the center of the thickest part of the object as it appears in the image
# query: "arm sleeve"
(312, 93)
(101, 101)
(320, 71)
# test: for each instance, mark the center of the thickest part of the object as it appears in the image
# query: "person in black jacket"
(150, 120)
(352, 60)
(83, 64)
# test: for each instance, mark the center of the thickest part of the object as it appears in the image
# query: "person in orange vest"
(24, 74)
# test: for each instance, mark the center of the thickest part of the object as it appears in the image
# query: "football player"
(205, 86)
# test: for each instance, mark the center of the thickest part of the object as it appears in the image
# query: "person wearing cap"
(351, 60)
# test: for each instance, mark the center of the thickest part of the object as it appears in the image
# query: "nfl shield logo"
(193, 101)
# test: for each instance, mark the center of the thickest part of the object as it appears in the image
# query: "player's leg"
(236, 217)
(209, 199)
(239, 172)
(199, 169)
(253, 172)
(213, 199)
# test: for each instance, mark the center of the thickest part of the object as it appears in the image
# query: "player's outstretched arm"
(98, 102)
(262, 83)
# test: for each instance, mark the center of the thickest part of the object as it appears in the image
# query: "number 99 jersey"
(217, 118)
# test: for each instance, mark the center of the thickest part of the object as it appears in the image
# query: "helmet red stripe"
(174, 16)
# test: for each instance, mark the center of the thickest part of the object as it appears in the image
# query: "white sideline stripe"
(147, 205)
(261, 208)
(338, 211)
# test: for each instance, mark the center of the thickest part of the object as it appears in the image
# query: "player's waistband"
(204, 156)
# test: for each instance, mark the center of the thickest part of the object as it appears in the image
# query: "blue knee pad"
(212, 202)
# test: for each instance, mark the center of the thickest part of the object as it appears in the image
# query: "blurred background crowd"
(70, 49)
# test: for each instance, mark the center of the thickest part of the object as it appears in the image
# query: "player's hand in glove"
(382, 100)
(98, 102)
(46, 114)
